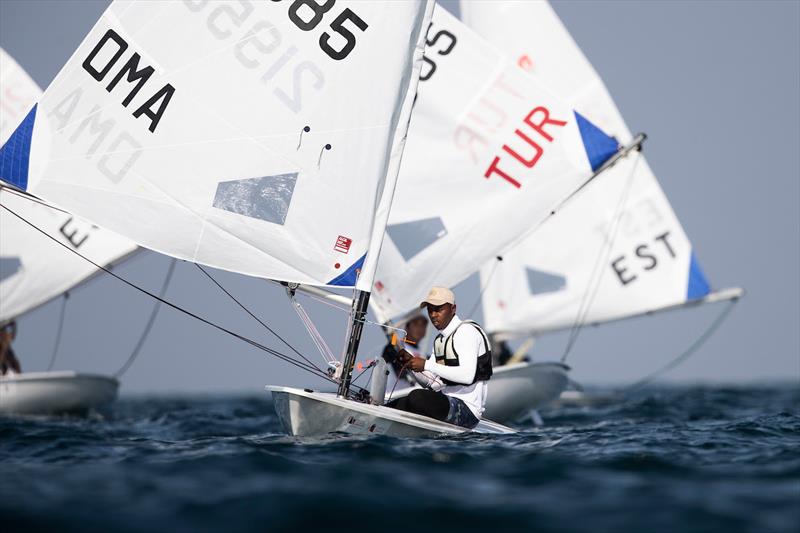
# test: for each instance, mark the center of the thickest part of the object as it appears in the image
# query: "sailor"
(9, 364)
(462, 359)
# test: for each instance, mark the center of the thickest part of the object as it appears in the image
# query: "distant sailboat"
(617, 250)
(491, 153)
(33, 271)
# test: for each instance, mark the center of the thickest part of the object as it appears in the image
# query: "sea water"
(666, 459)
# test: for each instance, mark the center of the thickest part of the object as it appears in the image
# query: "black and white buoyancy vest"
(445, 353)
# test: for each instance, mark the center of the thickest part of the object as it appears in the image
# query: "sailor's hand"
(417, 364)
(404, 356)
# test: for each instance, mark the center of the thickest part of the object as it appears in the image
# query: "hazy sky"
(716, 85)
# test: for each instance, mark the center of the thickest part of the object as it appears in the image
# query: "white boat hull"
(306, 413)
(573, 398)
(517, 389)
(45, 393)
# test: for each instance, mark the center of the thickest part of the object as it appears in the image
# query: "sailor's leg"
(459, 414)
(424, 402)
(399, 403)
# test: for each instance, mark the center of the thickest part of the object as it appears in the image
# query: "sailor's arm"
(428, 380)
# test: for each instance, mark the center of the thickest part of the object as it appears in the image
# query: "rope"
(484, 287)
(399, 378)
(696, 345)
(315, 335)
(30, 198)
(59, 331)
(251, 342)
(150, 321)
(326, 302)
(597, 271)
(246, 310)
(369, 366)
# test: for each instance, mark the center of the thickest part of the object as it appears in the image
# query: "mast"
(358, 313)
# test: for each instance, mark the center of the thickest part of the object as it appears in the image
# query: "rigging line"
(326, 302)
(399, 378)
(150, 321)
(315, 335)
(372, 365)
(59, 331)
(175, 306)
(597, 272)
(484, 287)
(696, 345)
(30, 198)
(246, 310)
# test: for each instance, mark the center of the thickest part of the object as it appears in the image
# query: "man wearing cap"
(462, 358)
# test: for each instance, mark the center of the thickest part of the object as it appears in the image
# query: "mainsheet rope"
(60, 330)
(696, 345)
(150, 321)
(602, 257)
(246, 310)
(478, 301)
(309, 368)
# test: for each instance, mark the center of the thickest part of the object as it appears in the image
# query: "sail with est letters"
(617, 249)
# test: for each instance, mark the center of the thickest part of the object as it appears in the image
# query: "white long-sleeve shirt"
(468, 343)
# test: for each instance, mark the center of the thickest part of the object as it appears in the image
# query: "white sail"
(490, 153)
(34, 269)
(617, 249)
(257, 137)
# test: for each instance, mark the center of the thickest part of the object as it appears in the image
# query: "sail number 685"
(307, 14)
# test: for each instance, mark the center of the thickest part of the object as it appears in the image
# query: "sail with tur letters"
(617, 249)
(491, 152)
(262, 138)
(34, 270)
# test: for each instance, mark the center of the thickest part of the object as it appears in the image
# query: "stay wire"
(251, 342)
(150, 321)
(246, 310)
(596, 275)
(60, 330)
(696, 345)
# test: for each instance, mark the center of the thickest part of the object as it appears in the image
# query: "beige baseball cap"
(439, 296)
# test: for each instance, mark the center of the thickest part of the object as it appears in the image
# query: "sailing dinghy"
(492, 153)
(267, 141)
(263, 138)
(618, 249)
(34, 271)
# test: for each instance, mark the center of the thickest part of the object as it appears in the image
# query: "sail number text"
(259, 45)
(645, 258)
(305, 14)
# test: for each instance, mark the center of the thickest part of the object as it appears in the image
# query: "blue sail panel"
(348, 277)
(698, 284)
(599, 146)
(16, 152)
